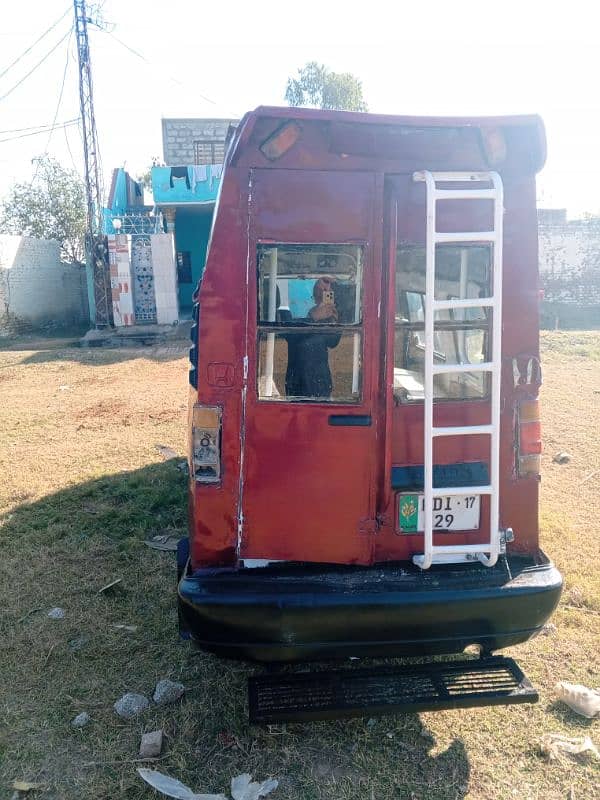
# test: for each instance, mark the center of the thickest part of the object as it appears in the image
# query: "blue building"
(184, 192)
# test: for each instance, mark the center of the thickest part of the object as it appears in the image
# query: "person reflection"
(308, 374)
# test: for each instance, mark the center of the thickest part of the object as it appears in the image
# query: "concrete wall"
(36, 288)
(179, 136)
(569, 259)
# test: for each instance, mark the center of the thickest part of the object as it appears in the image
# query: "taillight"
(281, 141)
(529, 445)
(206, 444)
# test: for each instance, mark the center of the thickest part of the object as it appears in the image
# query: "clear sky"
(223, 58)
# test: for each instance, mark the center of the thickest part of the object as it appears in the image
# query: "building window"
(461, 336)
(310, 322)
(184, 267)
(209, 151)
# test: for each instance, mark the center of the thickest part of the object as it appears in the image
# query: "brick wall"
(179, 136)
(36, 288)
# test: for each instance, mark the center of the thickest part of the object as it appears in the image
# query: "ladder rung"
(485, 366)
(454, 491)
(466, 194)
(471, 302)
(448, 549)
(462, 430)
(455, 177)
(462, 236)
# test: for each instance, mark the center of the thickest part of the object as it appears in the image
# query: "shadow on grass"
(59, 347)
(59, 551)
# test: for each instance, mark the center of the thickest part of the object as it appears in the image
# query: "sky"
(220, 59)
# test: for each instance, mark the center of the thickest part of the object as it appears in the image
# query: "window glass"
(305, 276)
(308, 298)
(461, 336)
(314, 365)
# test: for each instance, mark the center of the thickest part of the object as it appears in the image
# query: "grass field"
(83, 484)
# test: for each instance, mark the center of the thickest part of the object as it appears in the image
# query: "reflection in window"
(309, 296)
(461, 336)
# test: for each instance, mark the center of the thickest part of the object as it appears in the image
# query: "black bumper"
(295, 613)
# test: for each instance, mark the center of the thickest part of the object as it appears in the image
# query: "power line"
(67, 124)
(40, 62)
(151, 64)
(37, 128)
(30, 48)
(60, 96)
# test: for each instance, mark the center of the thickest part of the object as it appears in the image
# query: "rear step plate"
(304, 696)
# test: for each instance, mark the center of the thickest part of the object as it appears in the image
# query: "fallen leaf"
(26, 786)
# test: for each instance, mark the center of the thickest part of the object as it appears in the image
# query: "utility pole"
(96, 254)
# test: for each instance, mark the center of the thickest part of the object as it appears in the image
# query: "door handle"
(350, 420)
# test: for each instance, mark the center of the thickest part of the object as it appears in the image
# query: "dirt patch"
(78, 505)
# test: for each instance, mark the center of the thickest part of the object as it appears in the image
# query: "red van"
(364, 422)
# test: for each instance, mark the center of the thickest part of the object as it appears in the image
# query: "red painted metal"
(293, 487)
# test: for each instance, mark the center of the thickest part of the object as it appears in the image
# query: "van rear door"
(311, 460)
(460, 398)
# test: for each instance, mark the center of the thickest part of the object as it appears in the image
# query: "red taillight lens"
(281, 141)
(530, 439)
(206, 444)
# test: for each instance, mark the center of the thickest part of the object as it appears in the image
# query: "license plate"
(451, 513)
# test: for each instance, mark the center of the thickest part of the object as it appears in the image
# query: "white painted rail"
(485, 552)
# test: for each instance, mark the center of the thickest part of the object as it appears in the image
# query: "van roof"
(383, 137)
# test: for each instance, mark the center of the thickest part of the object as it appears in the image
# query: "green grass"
(60, 545)
(578, 344)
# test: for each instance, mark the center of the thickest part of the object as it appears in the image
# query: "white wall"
(165, 278)
(36, 288)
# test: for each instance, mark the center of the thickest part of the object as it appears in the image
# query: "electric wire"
(40, 62)
(151, 64)
(37, 128)
(30, 48)
(67, 124)
(60, 95)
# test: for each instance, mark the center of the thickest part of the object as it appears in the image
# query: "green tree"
(50, 206)
(319, 87)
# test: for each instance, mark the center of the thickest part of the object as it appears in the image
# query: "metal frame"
(486, 552)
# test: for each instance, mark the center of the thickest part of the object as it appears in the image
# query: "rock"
(130, 705)
(56, 613)
(151, 744)
(167, 692)
(81, 720)
(183, 467)
(561, 458)
(166, 452)
(549, 629)
(582, 700)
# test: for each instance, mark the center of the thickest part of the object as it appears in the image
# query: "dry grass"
(83, 485)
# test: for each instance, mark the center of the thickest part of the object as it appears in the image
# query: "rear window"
(462, 336)
(309, 322)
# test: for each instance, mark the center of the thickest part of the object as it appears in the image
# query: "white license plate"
(451, 513)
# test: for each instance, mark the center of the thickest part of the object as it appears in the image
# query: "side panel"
(221, 350)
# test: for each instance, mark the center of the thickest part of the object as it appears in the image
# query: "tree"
(50, 206)
(319, 87)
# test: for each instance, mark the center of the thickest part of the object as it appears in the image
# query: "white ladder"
(487, 552)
